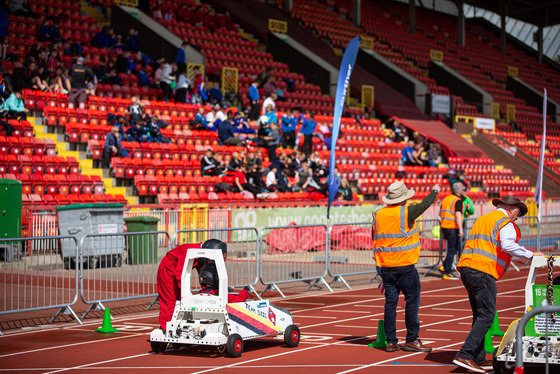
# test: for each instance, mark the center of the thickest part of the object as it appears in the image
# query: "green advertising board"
(538, 324)
(260, 218)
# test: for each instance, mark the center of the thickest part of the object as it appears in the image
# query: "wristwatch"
(437, 191)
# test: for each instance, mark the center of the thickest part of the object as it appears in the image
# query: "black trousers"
(108, 154)
(482, 291)
(166, 89)
(307, 144)
(289, 138)
(8, 129)
(255, 111)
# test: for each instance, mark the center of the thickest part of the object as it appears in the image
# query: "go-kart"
(206, 319)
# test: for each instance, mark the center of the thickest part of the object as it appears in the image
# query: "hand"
(538, 253)
(436, 187)
(247, 288)
(114, 149)
(461, 234)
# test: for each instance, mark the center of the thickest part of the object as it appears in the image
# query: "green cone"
(495, 328)
(488, 347)
(107, 327)
(381, 339)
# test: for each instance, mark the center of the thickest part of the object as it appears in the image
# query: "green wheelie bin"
(142, 248)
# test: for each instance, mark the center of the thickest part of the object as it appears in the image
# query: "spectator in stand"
(318, 184)
(53, 59)
(74, 47)
(101, 71)
(345, 190)
(181, 57)
(214, 117)
(289, 123)
(182, 89)
(269, 101)
(123, 62)
(4, 23)
(253, 160)
(132, 40)
(137, 132)
(14, 107)
(167, 76)
(197, 85)
(216, 96)
(155, 125)
(307, 129)
(34, 78)
(269, 87)
(114, 77)
(226, 134)
(79, 77)
(21, 8)
(408, 155)
(60, 82)
(272, 141)
(144, 79)
(254, 97)
(240, 124)
(134, 110)
(112, 147)
(242, 184)
(270, 114)
(255, 178)
(235, 162)
(103, 38)
(272, 182)
(199, 121)
(434, 154)
(305, 178)
(158, 10)
(49, 31)
(158, 72)
(211, 166)
(266, 74)
(225, 22)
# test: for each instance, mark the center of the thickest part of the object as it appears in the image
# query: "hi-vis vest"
(448, 212)
(483, 249)
(394, 243)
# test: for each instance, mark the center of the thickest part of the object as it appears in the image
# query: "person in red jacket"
(210, 283)
(169, 275)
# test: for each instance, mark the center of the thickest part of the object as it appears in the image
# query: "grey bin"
(80, 220)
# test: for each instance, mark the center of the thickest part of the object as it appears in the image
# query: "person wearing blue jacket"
(289, 122)
(307, 129)
(112, 147)
(254, 97)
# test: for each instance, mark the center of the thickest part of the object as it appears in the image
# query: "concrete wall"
(461, 86)
(394, 76)
(303, 61)
(533, 97)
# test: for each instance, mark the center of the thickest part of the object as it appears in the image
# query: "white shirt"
(221, 115)
(268, 101)
(166, 74)
(210, 117)
(507, 238)
(270, 178)
(183, 82)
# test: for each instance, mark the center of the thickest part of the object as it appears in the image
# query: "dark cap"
(512, 200)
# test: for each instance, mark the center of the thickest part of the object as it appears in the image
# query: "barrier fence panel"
(168, 220)
(243, 254)
(350, 251)
(549, 235)
(35, 276)
(432, 244)
(293, 253)
(120, 266)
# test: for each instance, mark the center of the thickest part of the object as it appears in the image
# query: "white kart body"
(534, 347)
(207, 319)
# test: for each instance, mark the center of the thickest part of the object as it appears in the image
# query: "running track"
(335, 328)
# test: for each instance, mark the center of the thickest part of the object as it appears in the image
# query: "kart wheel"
(221, 349)
(291, 336)
(177, 346)
(235, 345)
(498, 366)
(158, 347)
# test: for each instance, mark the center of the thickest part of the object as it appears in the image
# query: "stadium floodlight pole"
(342, 87)
(538, 187)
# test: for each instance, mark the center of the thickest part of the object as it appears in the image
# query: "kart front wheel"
(235, 345)
(291, 336)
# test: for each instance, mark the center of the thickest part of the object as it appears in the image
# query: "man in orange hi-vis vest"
(396, 250)
(451, 214)
(489, 248)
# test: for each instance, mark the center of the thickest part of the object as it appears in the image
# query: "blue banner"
(341, 89)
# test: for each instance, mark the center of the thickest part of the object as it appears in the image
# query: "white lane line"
(97, 363)
(461, 331)
(71, 345)
(436, 315)
(345, 311)
(454, 309)
(316, 317)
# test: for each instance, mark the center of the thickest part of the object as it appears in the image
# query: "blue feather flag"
(344, 74)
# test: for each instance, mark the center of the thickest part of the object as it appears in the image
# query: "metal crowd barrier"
(243, 254)
(349, 251)
(35, 276)
(121, 266)
(293, 253)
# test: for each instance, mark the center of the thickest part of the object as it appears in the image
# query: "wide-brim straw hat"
(512, 200)
(397, 193)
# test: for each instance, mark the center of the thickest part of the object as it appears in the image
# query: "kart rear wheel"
(235, 345)
(158, 347)
(291, 336)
